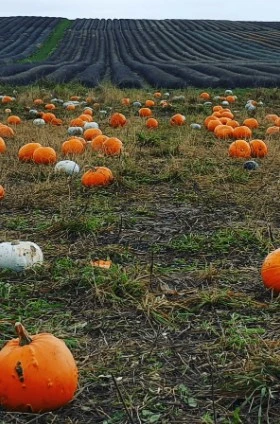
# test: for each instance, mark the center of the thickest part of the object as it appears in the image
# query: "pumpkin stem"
(24, 338)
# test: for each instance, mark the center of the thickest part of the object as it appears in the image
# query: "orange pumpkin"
(97, 142)
(75, 98)
(204, 96)
(258, 148)
(6, 132)
(13, 120)
(213, 124)
(251, 123)
(38, 102)
(2, 192)
(233, 123)
(271, 117)
(157, 94)
(98, 176)
(177, 120)
(270, 270)
(239, 149)
(70, 107)
(152, 123)
(230, 99)
(223, 131)
(226, 114)
(125, 101)
(117, 120)
(149, 103)
(50, 106)
(85, 117)
(77, 122)
(87, 111)
(242, 132)
(38, 373)
(112, 146)
(277, 122)
(44, 155)
(91, 133)
(25, 153)
(144, 112)
(48, 117)
(272, 130)
(217, 108)
(72, 146)
(7, 99)
(56, 122)
(2, 145)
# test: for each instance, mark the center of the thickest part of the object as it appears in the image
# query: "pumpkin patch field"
(139, 254)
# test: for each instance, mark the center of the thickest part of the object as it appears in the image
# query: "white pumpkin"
(195, 126)
(19, 255)
(69, 167)
(75, 131)
(90, 125)
(39, 122)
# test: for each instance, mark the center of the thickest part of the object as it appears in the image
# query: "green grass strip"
(50, 44)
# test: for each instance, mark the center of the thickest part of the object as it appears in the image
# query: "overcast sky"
(245, 10)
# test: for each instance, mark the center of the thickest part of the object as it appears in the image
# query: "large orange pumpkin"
(149, 103)
(239, 149)
(112, 146)
(25, 153)
(98, 176)
(117, 120)
(258, 148)
(44, 155)
(2, 145)
(270, 270)
(7, 99)
(38, 373)
(77, 122)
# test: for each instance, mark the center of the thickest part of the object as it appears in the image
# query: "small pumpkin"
(7, 99)
(258, 148)
(239, 149)
(204, 96)
(125, 101)
(272, 130)
(242, 132)
(38, 102)
(251, 123)
(50, 106)
(25, 153)
(117, 120)
(2, 192)
(2, 145)
(177, 120)
(48, 117)
(44, 155)
(91, 133)
(13, 120)
(270, 270)
(145, 112)
(6, 132)
(68, 167)
(152, 123)
(73, 146)
(97, 142)
(98, 176)
(77, 122)
(223, 131)
(112, 146)
(149, 103)
(38, 372)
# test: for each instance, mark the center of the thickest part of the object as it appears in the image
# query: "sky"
(244, 10)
